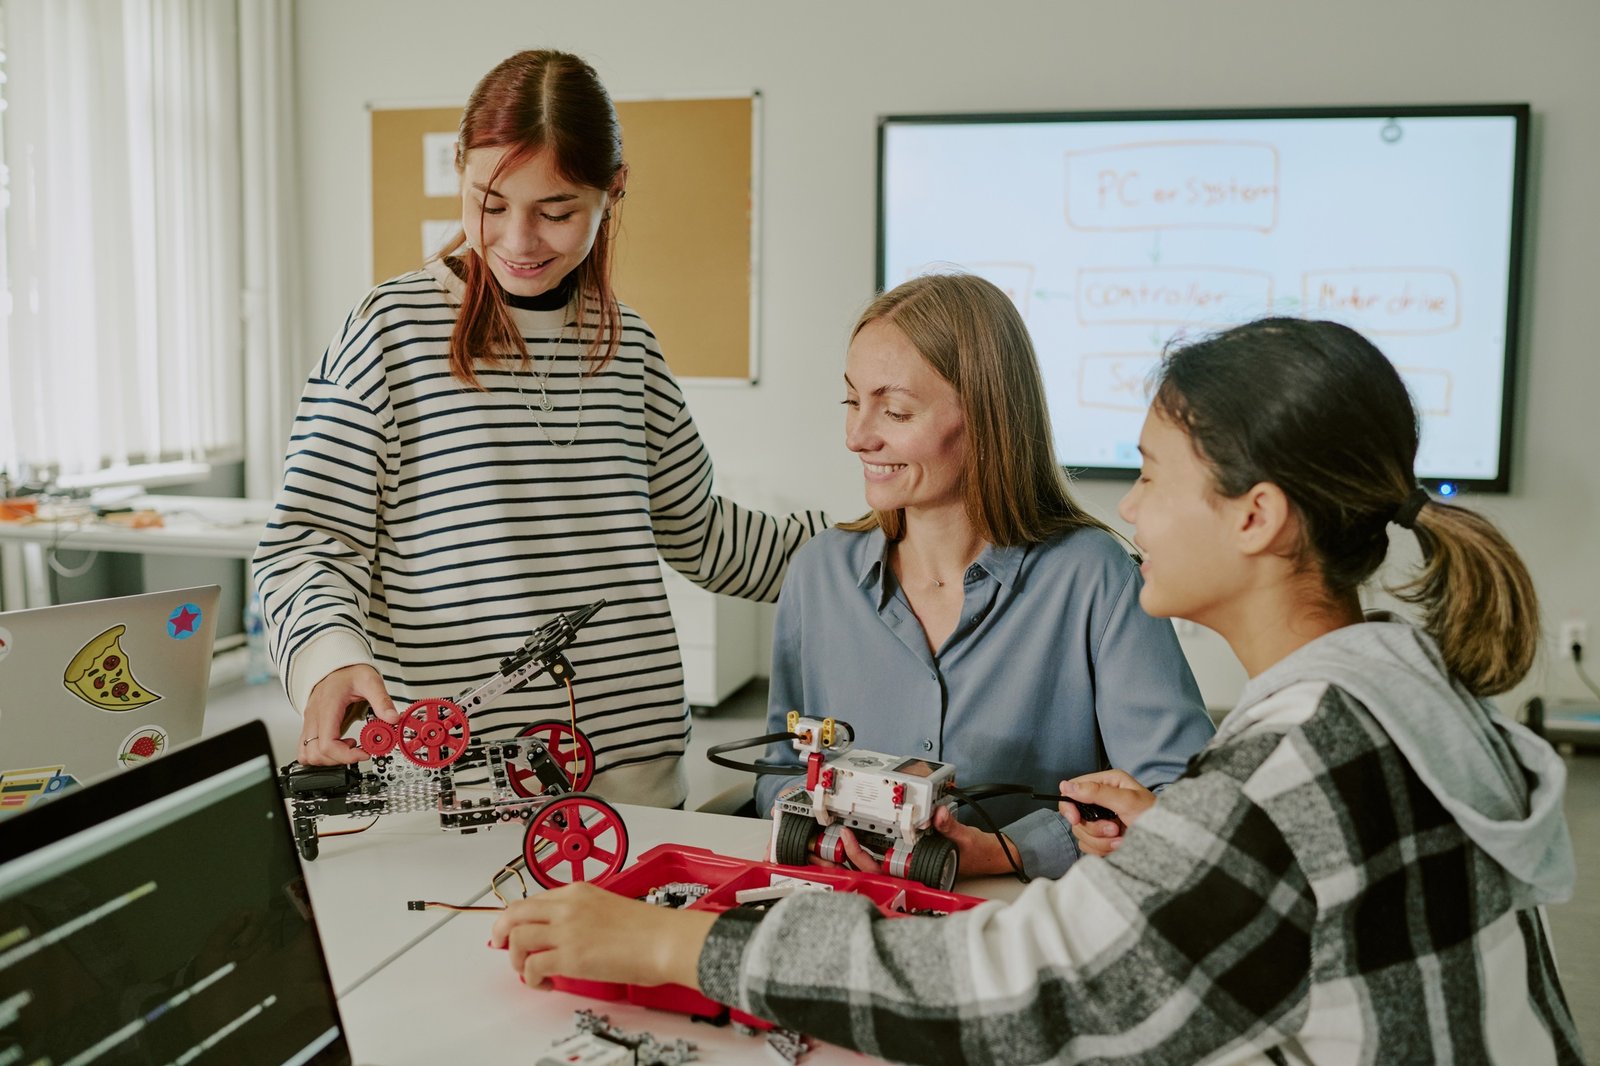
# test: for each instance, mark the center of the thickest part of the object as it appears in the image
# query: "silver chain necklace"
(545, 403)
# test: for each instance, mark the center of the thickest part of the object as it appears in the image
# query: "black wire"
(1583, 675)
(1091, 812)
(988, 825)
(714, 753)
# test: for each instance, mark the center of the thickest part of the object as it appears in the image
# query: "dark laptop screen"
(169, 925)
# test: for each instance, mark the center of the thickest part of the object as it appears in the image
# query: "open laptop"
(87, 689)
(160, 916)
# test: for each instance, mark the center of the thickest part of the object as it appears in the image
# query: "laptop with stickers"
(89, 689)
(161, 916)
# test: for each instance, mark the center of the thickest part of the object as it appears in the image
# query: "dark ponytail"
(1476, 596)
(1315, 409)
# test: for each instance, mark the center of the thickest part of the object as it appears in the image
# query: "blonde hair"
(971, 335)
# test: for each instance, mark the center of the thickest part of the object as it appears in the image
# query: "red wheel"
(378, 737)
(575, 838)
(571, 751)
(433, 733)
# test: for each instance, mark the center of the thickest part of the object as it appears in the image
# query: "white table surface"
(477, 1009)
(359, 885)
(210, 526)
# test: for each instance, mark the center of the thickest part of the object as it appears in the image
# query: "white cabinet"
(717, 636)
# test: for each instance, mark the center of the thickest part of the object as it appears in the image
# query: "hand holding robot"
(886, 813)
(884, 804)
(537, 777)
(336, 702)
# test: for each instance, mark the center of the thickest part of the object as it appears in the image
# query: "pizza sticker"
(141, 746)
(101, 676)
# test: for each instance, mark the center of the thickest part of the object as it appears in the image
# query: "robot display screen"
(917, 768)
(1116, 232)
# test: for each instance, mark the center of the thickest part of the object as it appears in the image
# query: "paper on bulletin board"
(436, 233)
(439, 165)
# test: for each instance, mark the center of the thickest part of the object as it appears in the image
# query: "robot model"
(537, 776)
(599, 1043)
(887, 801)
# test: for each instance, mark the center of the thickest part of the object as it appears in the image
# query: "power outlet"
(1574, 631)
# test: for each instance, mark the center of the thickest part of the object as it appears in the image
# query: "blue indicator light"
(1446, 489)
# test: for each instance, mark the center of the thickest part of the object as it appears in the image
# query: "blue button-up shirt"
(1053, 670)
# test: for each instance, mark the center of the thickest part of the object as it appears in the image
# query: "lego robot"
(887, 801)
(537, 777)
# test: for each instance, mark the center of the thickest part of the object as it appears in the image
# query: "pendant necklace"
(933, 582)
(543, 382)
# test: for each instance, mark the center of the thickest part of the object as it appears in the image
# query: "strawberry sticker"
(142, 745)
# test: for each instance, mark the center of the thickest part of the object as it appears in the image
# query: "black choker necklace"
(553, 300)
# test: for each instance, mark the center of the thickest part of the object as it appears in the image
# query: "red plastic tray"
(666, 863)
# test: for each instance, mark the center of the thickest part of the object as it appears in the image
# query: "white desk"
(476, 1009)
(210, 526)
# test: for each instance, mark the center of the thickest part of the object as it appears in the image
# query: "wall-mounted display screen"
(1116, 232)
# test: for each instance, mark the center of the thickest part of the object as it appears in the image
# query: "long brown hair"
(532, 102)
(1315, 409)
(972, 336)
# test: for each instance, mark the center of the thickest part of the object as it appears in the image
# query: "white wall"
(828, 68)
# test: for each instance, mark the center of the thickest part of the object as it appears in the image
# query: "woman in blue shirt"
(977, 615)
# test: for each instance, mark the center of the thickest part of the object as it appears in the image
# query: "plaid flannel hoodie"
(1299, 896)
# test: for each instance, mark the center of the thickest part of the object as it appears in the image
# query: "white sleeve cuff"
(332, 649)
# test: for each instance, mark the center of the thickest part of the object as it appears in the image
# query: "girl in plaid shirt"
(1351, 871)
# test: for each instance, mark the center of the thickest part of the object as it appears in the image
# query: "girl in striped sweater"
(495, 438)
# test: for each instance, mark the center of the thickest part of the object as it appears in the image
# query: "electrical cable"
(513, 867)
(989, 826)
(572, 708)
(1583, 675)
(52, 554)
(53, 557)
(714, 754)
(348, 832)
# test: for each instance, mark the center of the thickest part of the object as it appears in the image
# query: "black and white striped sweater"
(427, 528)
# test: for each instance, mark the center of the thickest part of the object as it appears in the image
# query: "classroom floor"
(1575, 926)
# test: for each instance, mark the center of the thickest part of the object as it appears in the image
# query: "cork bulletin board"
(686, 255)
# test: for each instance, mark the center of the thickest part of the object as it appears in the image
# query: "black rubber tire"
(794, 839)
(934, 862)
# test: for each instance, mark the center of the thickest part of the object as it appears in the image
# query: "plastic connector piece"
(416, 905)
